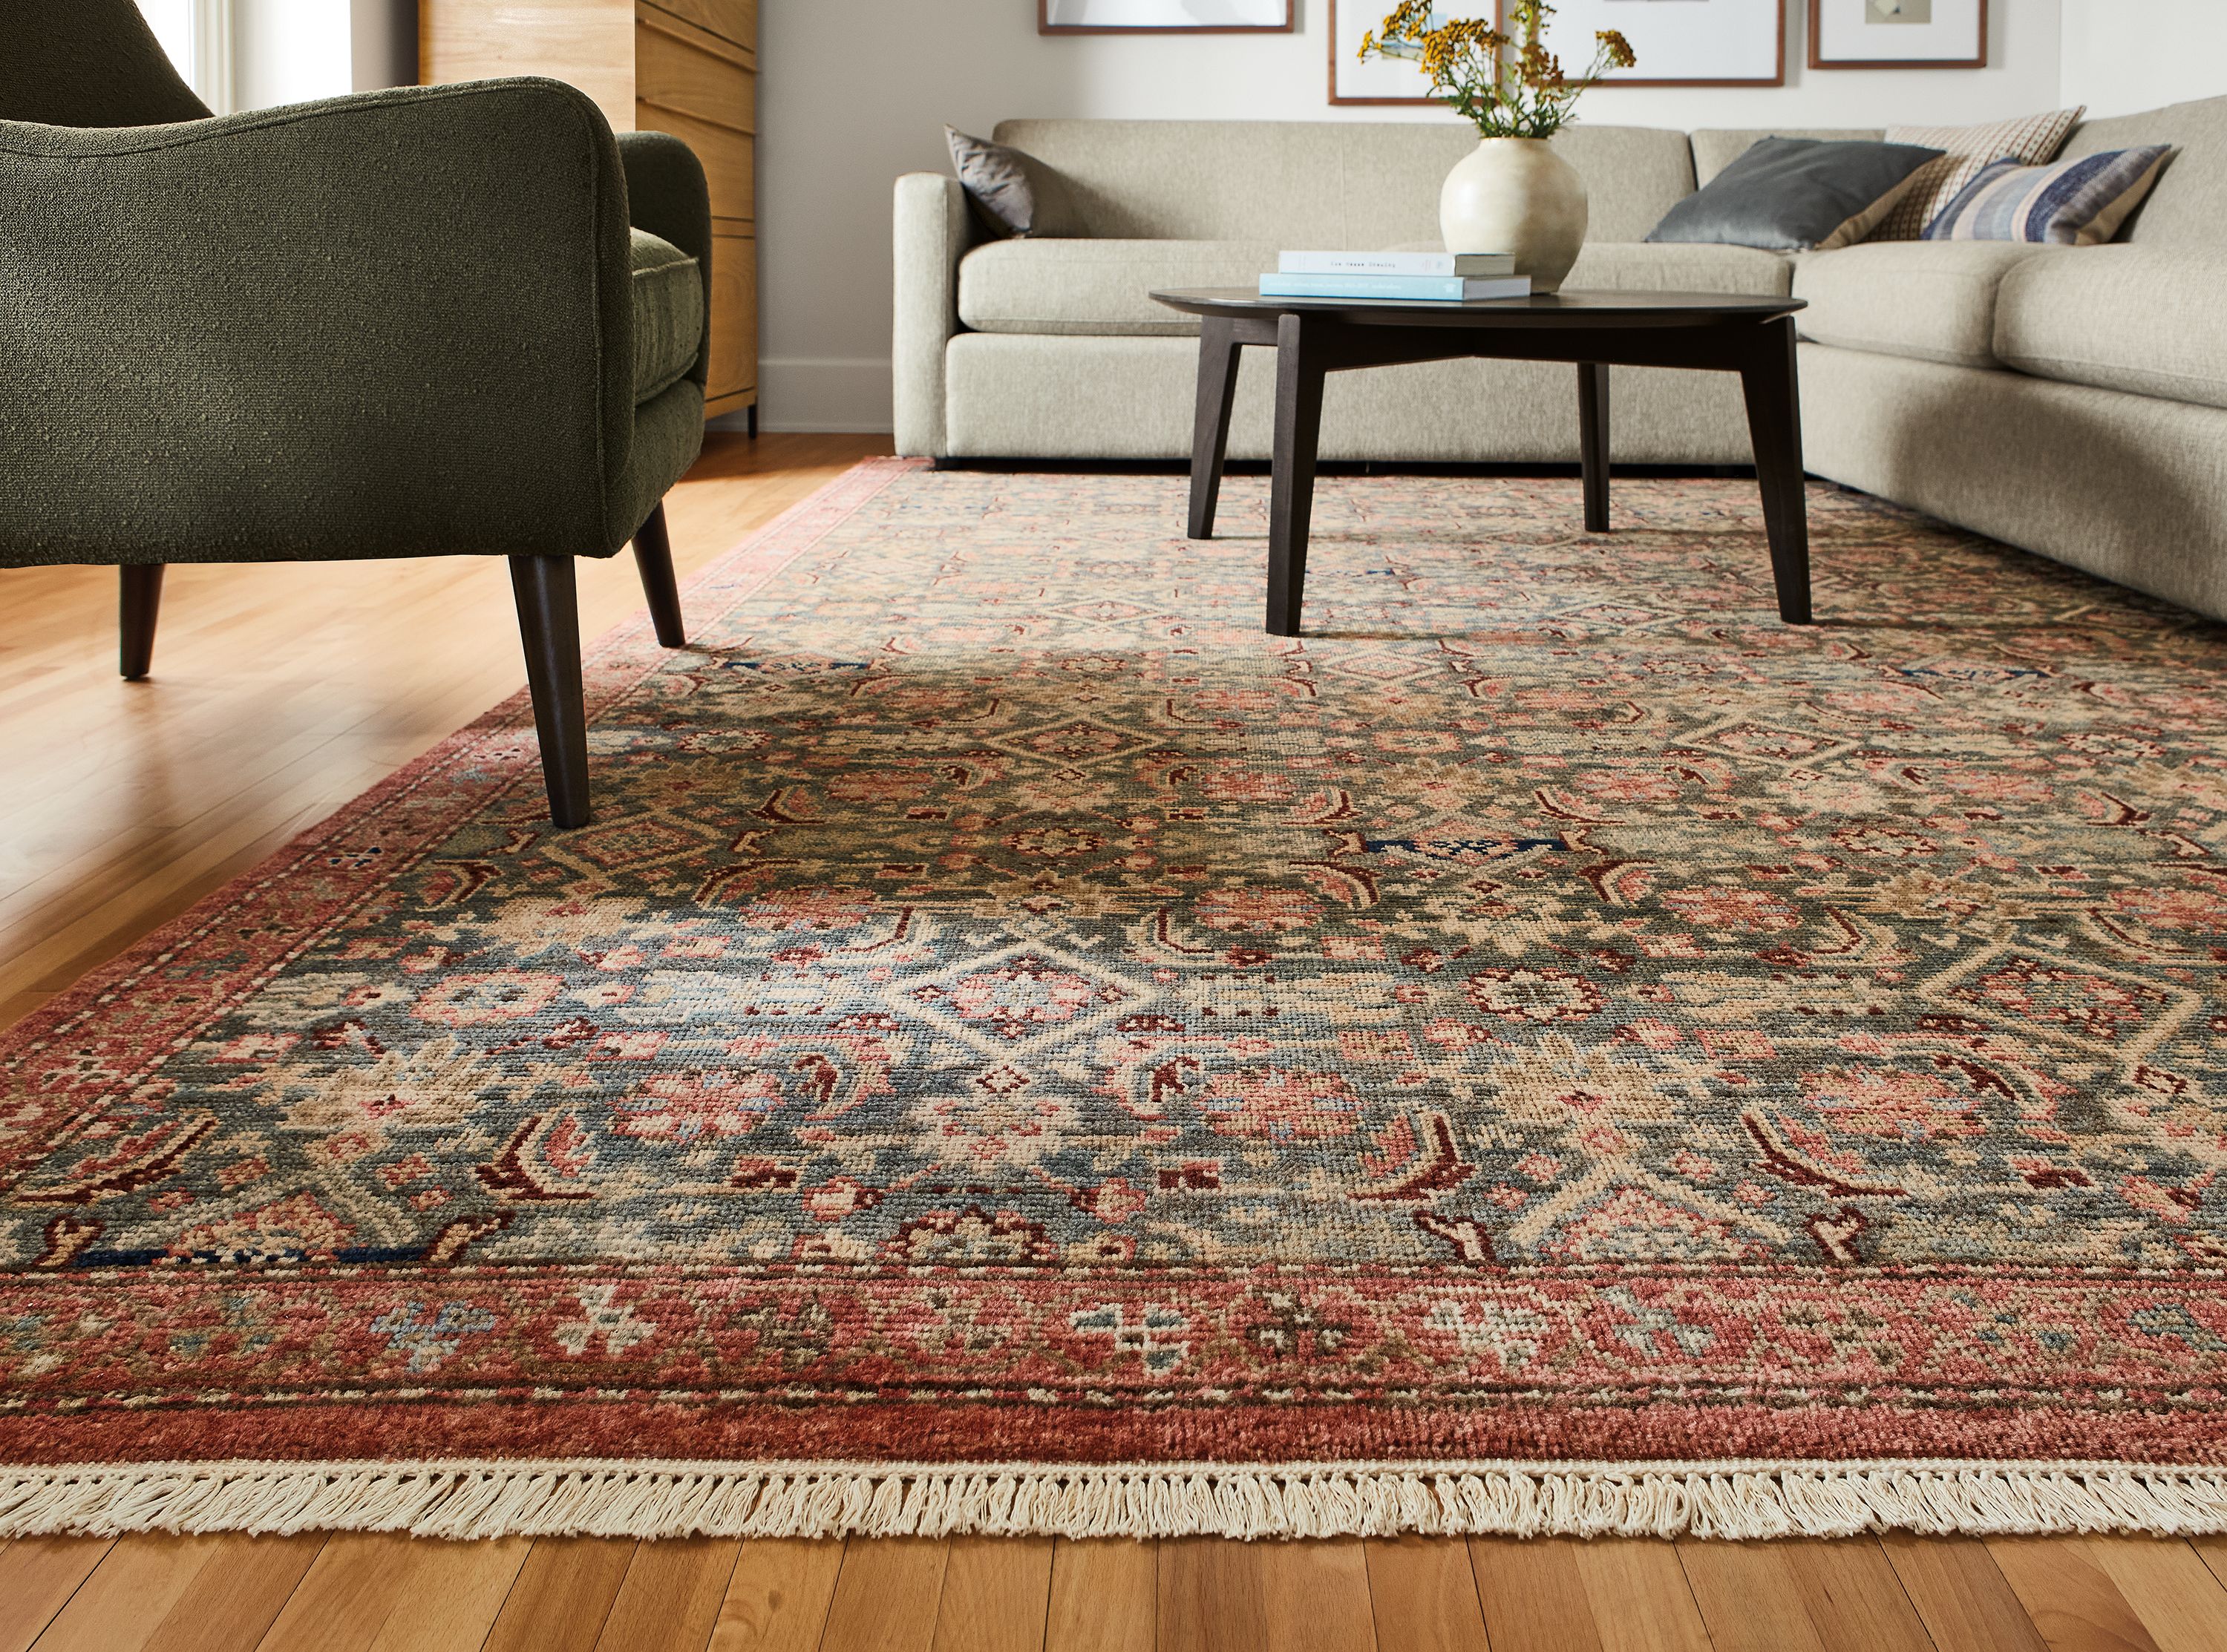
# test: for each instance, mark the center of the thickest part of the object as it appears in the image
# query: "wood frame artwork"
(1775, 78)
(1817, 60)
(1373, 10)
(1045, 26)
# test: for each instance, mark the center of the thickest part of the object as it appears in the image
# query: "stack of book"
(1446, 277)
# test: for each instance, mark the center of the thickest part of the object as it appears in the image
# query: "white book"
(1397, 263)
(1405, 288)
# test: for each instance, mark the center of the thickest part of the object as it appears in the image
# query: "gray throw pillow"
(1794, 195)
(1012, 194)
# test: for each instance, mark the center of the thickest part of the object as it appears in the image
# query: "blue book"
(1447, 289)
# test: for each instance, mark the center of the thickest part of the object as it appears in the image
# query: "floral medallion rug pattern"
(1019, 1049)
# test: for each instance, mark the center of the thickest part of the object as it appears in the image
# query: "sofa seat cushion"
(1097, 286)
(1101, 287)
(1674, 266)
(668, 313)
(1932, 301)
(2140, 319)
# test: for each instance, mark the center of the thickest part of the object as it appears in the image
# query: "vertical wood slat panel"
(734, 316)
(586, 43)
(673, 74)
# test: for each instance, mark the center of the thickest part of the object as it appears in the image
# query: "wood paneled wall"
(685, 67)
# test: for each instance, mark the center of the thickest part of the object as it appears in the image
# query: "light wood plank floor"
(280, 692)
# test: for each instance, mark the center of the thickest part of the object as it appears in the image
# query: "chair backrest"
(88, 63)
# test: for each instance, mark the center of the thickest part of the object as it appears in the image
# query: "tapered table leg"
(1593, 441)
(549, 625)
(653, 556)
(1299, 375)
(1218, 351)
(1774, 422)
(139, 602)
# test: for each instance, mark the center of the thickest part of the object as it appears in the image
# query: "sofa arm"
(667, 196)
(394, 324)
(932, 233)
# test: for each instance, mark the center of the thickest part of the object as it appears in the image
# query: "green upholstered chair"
(440, 320)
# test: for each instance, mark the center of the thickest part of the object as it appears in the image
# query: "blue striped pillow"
(2073, 203)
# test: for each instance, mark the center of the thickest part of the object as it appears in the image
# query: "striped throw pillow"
(2032, 140)
(2074, 203)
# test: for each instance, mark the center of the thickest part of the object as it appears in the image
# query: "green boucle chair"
(458, 320)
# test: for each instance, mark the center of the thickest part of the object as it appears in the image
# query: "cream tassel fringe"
(470, 1499)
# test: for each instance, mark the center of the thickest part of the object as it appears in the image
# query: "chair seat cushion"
(1101, 287)
(1931, 301)
(2133, 318)
(668, 313)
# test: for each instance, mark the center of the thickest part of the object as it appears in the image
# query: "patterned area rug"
(1019, 1050)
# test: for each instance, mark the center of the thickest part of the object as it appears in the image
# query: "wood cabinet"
(685, 67)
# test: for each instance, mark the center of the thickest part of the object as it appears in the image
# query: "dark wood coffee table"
(1313, 338)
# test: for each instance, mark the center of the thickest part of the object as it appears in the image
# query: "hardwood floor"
(278, 694)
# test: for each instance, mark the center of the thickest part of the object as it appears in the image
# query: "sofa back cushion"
(2188, 205)
(1322, 183)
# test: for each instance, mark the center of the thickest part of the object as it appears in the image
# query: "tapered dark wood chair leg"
(1299, 373)
(140, 600)
(1774, 422)
(1218, 353)
(1593, 441)
(549, 625)
(653, 554)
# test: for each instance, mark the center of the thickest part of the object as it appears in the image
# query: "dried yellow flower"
(1508, 83)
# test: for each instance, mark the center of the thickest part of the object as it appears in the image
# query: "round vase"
(1516, 195)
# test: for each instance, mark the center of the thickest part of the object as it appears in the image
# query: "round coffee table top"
(1576, 308)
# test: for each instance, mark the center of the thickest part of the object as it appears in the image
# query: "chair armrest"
(932, 233)
(392, 324)
(667, 196)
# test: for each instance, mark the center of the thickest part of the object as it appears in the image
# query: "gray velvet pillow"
(1793, 194)
(1011, 193)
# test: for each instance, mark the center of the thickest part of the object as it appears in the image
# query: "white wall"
(2125, 56)
(289, 51)
(855, 92)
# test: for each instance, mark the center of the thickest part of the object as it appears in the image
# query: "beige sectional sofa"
(2071, 400)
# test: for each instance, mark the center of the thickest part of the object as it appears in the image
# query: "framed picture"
(1382, 80)
(1164, 17)
(1897, 33)
(1678, 42)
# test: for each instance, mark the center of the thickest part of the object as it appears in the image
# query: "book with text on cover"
(1430, 288)
(1397, 263)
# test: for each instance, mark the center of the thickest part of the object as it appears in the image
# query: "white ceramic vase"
(1515, 195)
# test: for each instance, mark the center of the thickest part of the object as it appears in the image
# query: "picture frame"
(1897, 33)
(1167, 17)
(1384, 83)
(1678, 42)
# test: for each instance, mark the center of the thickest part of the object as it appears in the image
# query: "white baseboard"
(831, 394)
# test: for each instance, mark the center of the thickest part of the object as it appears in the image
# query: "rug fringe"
(657, 1499)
